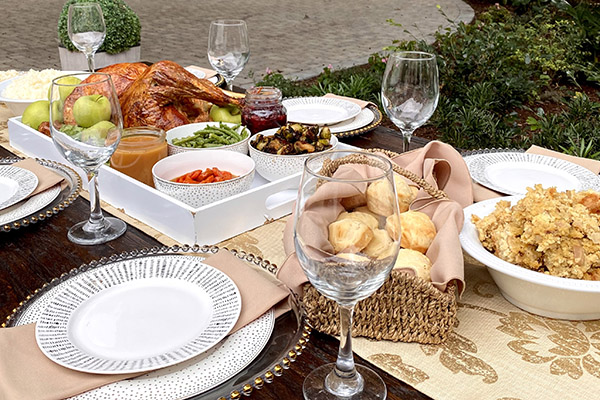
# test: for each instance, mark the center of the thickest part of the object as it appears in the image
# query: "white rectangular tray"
(205, 225)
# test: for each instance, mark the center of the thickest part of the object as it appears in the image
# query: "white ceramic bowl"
(273, 166)
(198, 195)
(532, 291)
(17, 106)
(189, 129)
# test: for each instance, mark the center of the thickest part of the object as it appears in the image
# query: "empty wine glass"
(410, 91)
(86, 126)
(87, 29)
(345, 272)
(228, 48)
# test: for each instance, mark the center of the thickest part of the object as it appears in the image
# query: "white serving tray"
(209, 224)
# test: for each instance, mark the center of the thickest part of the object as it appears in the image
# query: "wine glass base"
(113, 228)
(314, 387)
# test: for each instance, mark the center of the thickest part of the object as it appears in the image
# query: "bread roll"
(404, 192)
(353, 257)
(416, 261)
(417, 231)
(392, 226)
(380, 197)
(379, 245)
(349, 235)
(350, 203)
(366, 218)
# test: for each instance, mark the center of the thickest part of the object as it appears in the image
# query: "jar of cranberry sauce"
(263, 109)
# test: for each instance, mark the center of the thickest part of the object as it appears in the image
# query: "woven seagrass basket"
(405, 308)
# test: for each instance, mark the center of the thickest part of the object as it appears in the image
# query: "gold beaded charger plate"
(45, 204)
(352, 129)
(245, 360)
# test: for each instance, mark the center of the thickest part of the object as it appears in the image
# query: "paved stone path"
(297, 38)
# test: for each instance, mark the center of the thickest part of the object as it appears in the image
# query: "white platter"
(138, 315)
(364, 118)
(513, 172)
(320, 110)
(15, 184)
(29, 206)
(198, 73)
(538, 293)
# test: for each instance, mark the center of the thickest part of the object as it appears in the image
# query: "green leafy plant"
(123, 29)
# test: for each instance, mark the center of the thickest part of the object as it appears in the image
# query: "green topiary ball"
(123, 29)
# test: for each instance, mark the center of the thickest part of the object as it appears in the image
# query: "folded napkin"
(361, 103)
(482, 193)
(209, 72)
(26, 373)
(46, 177)
(441, 166)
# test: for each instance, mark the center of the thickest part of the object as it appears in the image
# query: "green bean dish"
(213, 136)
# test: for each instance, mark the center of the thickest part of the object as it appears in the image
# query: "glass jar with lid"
(139, 149)
(263, 109)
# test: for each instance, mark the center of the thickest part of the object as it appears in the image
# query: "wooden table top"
(34, 255)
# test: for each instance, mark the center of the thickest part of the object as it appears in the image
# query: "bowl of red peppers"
(200, 178)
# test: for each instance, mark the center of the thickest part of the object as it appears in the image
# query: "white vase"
(76, 61)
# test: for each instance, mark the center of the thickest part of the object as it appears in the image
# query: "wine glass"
(410, 91)
(86, 127)
(228, 48)
(351, 273)
(87, 29)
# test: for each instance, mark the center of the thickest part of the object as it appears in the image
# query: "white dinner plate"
(513, 172)
(198, 73)
(320, 110)
(364, 118)
(15, 184)
(29, 206)
(138, 315)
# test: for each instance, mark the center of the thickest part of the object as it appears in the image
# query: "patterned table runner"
(497, 351)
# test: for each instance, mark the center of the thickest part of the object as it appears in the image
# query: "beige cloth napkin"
(442, 166)
(46, 177)
(209, 72)
(26, 373)
(361, 103)
(482, 193)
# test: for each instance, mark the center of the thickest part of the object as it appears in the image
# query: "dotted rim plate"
(29, 206)
(25, 180)
(54, 335)
(480, 164)
(311, 110)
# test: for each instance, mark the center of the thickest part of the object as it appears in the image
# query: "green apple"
(36, 113)
(57, 111)
(231, 114)
(97, 132)
(89, 110)
(65, 91)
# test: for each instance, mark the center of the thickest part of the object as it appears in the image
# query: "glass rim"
(228, 22)
(386, 162)
(107, 78)
(404, 55)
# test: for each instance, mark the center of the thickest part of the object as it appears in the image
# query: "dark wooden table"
(34, 255)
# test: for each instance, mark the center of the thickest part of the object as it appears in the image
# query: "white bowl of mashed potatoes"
(537, 291)
(20, 91)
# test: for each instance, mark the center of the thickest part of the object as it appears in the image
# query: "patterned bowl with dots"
(201, 194)
(274, 166)
(189, 130)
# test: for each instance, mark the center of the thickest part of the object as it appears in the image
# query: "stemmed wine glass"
(87, 29)
(86, 127)
(349, 274)
(410, 91)
(228, 48)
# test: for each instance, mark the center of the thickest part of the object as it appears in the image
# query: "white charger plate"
(320, 110)
(513, 172)
(15, 184)
(536, 292)
(198, 73)
(29, 206)
(138, 315)
(364, 118)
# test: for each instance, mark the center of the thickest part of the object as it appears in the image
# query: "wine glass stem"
(96, 220)
(344, 381)
(229, 85)
(406, 136)
(90, 61)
